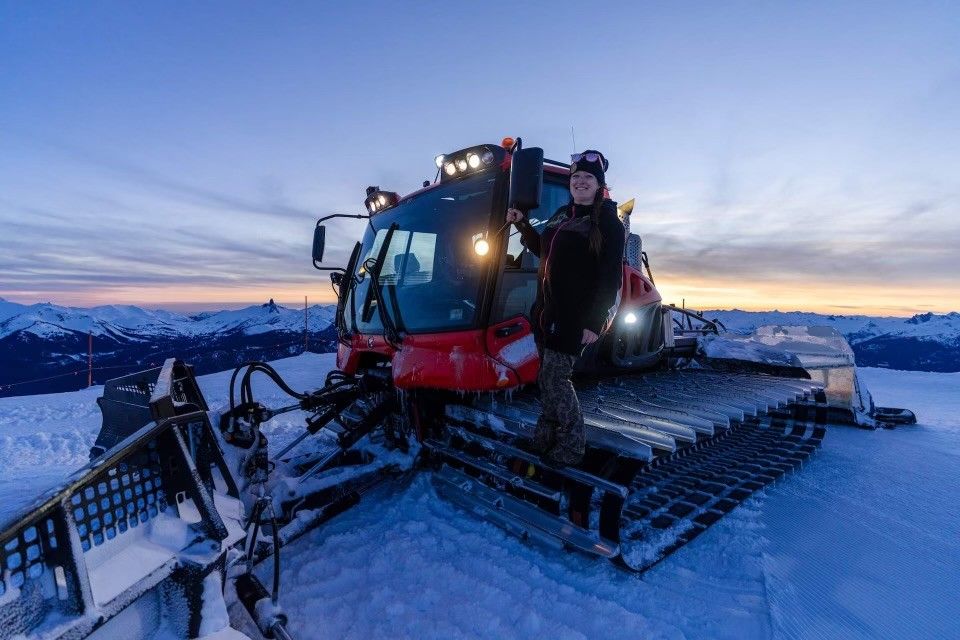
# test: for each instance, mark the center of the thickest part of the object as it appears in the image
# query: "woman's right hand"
(514, 215)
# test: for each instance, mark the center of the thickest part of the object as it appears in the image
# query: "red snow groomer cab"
(441, 289)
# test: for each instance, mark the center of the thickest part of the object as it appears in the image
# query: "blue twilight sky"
(791, 155)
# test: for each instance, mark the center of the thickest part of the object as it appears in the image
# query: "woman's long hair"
(595, 238)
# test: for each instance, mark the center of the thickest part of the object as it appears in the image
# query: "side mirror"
(526, 179)
(319, 240)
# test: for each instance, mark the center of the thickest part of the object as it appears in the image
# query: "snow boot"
(544, 435)
(570, 445)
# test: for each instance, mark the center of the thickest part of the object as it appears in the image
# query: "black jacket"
(576, 289)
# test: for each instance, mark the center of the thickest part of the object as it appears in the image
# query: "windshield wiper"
(373, 268)
(344, 282)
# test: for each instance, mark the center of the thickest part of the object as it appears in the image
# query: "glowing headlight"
(439, 160)
(473, 160)
(462, 164)
(449, 169)
(378, 200)
(630, 318)
(481, 247)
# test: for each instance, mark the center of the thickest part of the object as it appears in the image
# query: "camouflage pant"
(560, 433)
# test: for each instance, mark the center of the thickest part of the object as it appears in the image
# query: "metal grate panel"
(23, 556)
(121, 498)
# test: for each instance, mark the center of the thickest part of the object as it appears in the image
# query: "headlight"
(487, 157)
(630, 318)
(449, 169)
(439, 160)
(473, 160)
(462, 164)
(481, 247)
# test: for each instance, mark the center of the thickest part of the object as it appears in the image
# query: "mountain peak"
(271, 306)
(920, 318)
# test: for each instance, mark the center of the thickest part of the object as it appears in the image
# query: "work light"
(378, 200)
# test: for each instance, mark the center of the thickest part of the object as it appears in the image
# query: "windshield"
(431, 275)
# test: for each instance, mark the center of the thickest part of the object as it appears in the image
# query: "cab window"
(555, 195)
(518, 283)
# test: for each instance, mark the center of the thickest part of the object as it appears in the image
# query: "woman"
(581, 262)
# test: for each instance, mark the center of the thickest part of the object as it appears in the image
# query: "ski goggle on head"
(590, 156)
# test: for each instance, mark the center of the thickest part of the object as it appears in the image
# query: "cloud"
(145, 254)
(147, 179)
(733, 227)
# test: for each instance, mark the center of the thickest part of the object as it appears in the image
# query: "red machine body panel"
(500, 357)
(637, 289)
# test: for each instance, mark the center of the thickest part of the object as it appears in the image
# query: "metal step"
(520, 423)
(635, 430)
(603, 432)
(698, 424)
(676, 430)
(500, 473)
(718, 419)
(683, 398)
(517, 516)
(572, 473)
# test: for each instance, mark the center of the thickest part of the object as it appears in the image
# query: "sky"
(782, 155)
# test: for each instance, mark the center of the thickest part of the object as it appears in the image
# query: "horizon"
(193, 307)
(781, 156)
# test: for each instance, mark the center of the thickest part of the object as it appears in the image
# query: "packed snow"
(861, 543)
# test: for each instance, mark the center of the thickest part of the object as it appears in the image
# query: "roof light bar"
(469, 161)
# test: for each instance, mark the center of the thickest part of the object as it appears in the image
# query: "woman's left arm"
(610, 269)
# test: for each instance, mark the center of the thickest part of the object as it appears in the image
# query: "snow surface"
(861, 543)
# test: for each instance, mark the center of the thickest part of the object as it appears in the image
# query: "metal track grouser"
(436, 372)
(668, 456)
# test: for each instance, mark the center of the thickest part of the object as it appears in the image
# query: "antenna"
(574, 137)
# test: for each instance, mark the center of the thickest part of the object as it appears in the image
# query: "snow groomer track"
(669, 454)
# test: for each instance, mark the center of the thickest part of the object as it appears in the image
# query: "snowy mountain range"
(46, 320)
(47, 343)
(50, 341)
(924, 342)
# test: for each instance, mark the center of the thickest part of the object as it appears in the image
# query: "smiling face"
(583, 187)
